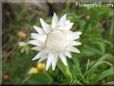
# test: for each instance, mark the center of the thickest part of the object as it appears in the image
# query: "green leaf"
(78, 69)
(101, 45)
(89, 51)
(106, 56)
(93, 68)
(98, 62)
(104, 74)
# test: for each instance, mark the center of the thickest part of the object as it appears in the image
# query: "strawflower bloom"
(55, 41)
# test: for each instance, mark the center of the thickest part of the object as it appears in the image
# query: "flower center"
(56, 41)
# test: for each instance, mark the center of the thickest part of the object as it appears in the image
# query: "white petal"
(54, 21)
(40, 54)
(37, 48)
(68, 54)
(38, 29)
(75, 43)
(73, 49)
(75, 35)
(45, 26)
(54, 62)
(68, 26)
(67, 21)
(78, 33)
(42, 59)
(62, 20)
(38, 37)
(63, 59)
(35, 42)
(49, 61)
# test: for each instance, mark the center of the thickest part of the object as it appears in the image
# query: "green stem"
(65, 71)
(69, 73)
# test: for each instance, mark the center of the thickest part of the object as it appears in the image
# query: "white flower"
(54, 41)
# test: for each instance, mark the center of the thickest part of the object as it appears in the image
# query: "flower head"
(39, 68)
(54, 41)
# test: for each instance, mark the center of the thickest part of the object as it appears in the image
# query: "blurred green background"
(94, 65)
